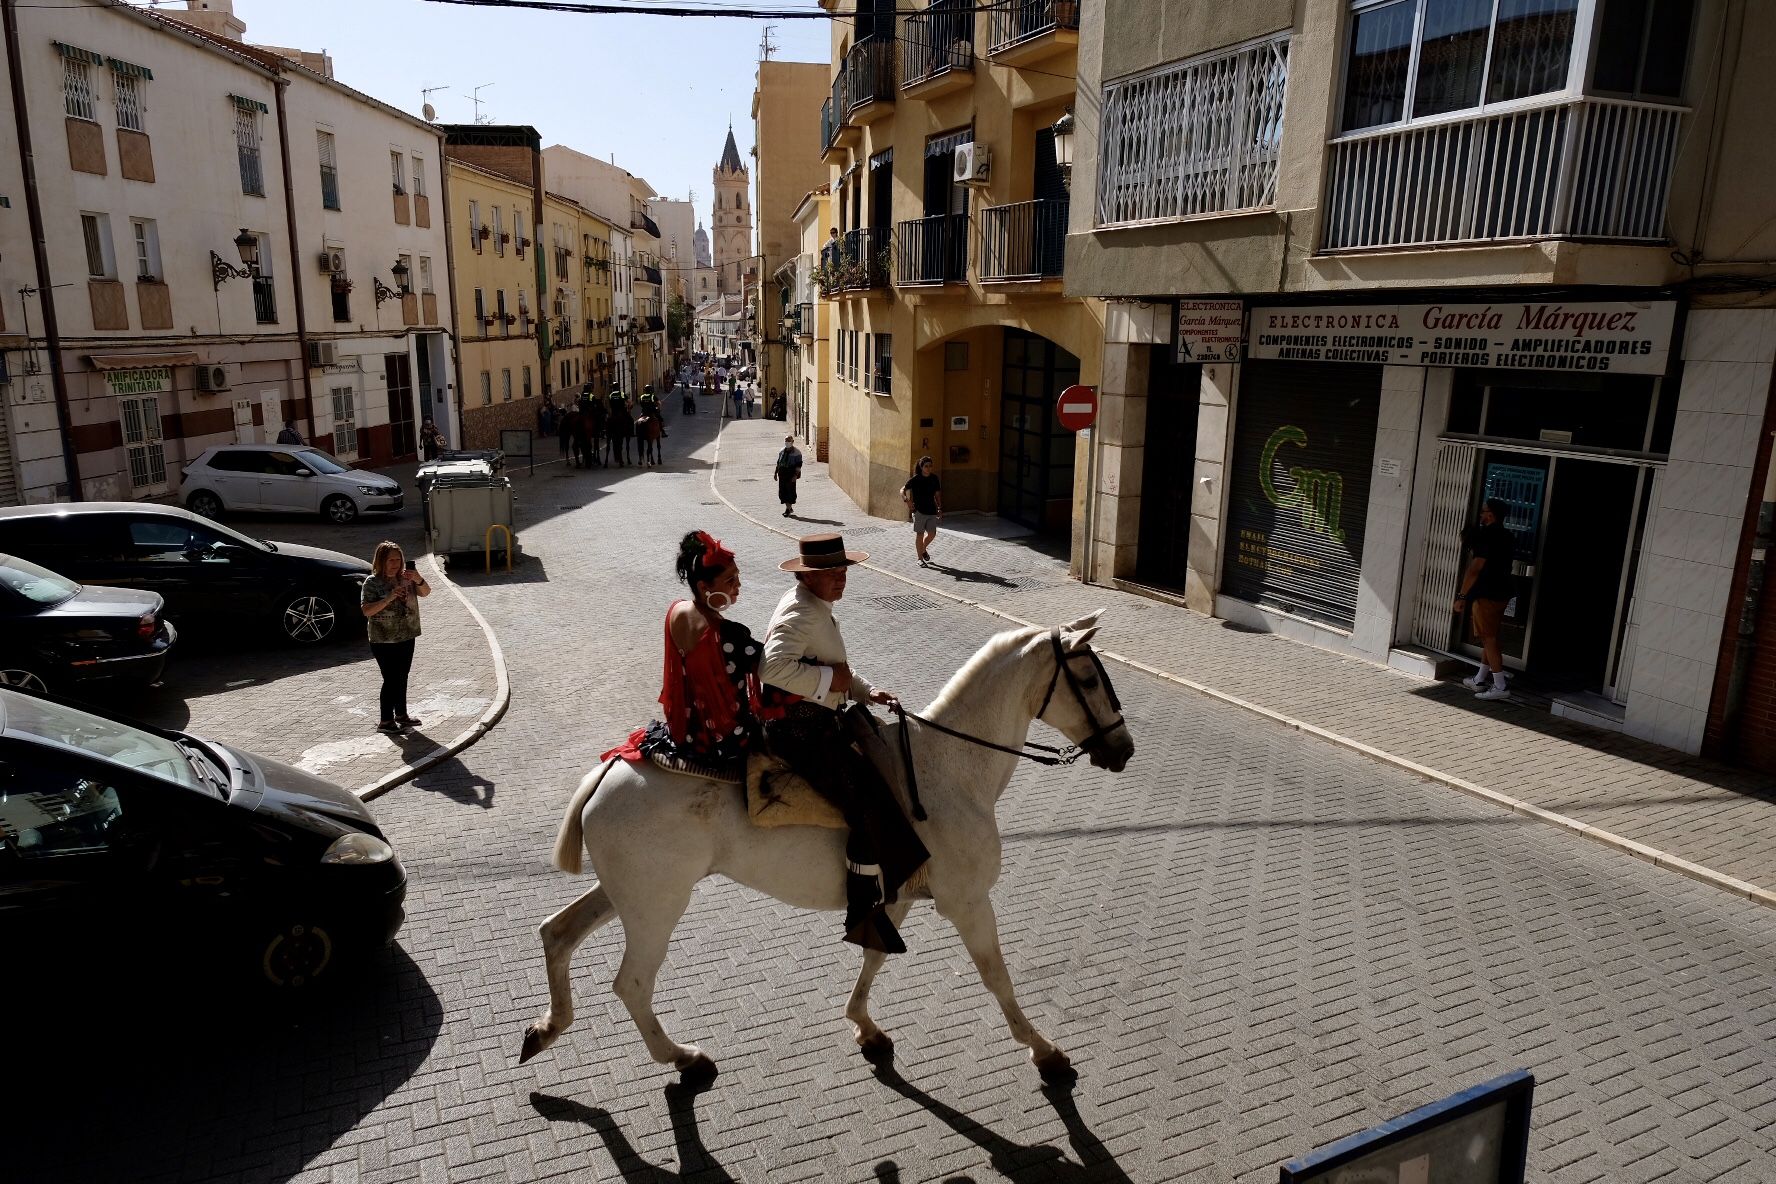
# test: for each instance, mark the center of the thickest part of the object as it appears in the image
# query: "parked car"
(284, 477)
(55, 633)
(118, 836)
(209, 575)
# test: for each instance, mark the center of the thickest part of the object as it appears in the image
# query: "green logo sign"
(1318, 494)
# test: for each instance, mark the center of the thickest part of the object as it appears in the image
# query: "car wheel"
(295, 956)
(339, 509)
(204, 504)
(23, 680)
(309, 618)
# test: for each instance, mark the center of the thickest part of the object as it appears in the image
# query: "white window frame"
(327, 154)
(407, 284)
(419, 189)
(128, 101)
(486, 388)
(475, 225)
(145, 236)
(398, 169)
(425, 275)
(248, 145)
(101, 252)
(143, 449)
(506, 384)
(79, 99)
(499, 231)
(345, 420)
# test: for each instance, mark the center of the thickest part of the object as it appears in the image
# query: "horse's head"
(1080, 702)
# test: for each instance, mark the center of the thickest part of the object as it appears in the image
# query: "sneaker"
(388, 726)
(1478, 679)
(1493, 692)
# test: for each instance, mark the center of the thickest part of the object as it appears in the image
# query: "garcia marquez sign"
(1618, 338)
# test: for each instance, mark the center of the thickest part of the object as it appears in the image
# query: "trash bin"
(463, 499)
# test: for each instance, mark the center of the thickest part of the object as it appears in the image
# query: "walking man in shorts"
(923, 495)
(1485, 591)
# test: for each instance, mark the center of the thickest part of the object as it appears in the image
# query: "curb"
(502, 698)
(1661, 859)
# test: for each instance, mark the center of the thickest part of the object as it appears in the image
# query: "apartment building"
(952, 336)
(786, 136)
(1371, 262)
(129, 114)
(806, 324)
(495, 279)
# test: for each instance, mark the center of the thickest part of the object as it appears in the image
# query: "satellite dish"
(431, 113)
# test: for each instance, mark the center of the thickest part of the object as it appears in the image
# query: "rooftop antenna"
(767, 47)
(425, 102)
(475, 97)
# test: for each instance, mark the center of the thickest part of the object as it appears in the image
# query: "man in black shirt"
(1485, 591)
(923, 495)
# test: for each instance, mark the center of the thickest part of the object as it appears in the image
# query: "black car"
(119, 839)
(208, 574)
(55, 633)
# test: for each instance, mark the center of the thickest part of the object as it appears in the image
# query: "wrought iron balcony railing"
(1018, 21)
(937, 41)
(1023, 241)
(932, 250)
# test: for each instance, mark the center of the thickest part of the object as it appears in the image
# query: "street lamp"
(221, 270)
(399, 271)
(1063, 143)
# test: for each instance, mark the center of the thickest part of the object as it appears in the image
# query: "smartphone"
(412, 565)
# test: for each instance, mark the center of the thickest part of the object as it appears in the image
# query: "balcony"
(869, 70)
(836, 130)
(860, 264)
(937, 49)
(264, 300)
(650, 274)
(1023, 241)
(1026, 31)
(932, 250)
(804, 320)
(1577, 169)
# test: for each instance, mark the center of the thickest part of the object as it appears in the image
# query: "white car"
(287, 477)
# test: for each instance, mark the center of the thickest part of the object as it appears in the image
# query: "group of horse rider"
(726, 695)
(594, 430)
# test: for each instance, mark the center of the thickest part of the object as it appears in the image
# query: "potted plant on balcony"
(1066, 14)
(486, 232)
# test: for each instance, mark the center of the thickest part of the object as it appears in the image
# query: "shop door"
(1590, 516)
(423, 353)
(1035, 452)
(1298, 487)
(398, 370)
(1168, 471)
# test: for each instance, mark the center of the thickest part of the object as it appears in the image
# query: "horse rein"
(1041, 754)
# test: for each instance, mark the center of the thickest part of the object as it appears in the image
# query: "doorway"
(1035, 452)
(398, 371)
(1168, 469)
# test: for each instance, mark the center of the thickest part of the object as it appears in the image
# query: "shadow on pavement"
(694, 1160)
(470, 570)
(814, 521)
(1015, 1161)
(457, 782)
(152, 1080)
(964, 576)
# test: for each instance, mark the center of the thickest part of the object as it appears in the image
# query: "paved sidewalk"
(317, 707)
(1721, 818)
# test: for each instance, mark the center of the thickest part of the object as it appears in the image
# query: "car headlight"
(369, 489)
(358, 847)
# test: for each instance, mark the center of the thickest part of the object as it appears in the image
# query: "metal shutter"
(1298, 492)
(9, 492)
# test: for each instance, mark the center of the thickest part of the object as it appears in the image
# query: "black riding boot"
(866, 924)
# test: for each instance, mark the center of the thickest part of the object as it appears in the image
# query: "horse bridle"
(1042, 754)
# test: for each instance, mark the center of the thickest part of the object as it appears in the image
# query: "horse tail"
(570, 843)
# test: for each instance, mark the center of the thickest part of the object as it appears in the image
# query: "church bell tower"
(732, 223)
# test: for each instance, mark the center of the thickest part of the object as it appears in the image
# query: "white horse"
(652, 835)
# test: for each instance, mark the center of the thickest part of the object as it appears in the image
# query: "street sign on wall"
(1211, 330)
(1620, 337)
(1077, 408)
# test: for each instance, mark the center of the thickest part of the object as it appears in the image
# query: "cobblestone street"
(1251, 942)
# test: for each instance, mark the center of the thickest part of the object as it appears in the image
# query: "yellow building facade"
(951, 336)
(807, 335)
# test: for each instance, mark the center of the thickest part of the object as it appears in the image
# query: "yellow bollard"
(487, 545)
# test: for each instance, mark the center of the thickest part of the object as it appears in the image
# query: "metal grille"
(936, 41)
(910, 602)
(141, 441)
(1016, 21)
(345, 420)
(1023, 241)
(933, 250)
(128, 89)
(1197, 137)
(246, 143)
(329, 170)
(77, 89)
(1433, 624)
(1591, 168)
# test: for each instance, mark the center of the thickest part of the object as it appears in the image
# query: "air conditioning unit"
(212, 379)
(973, 164)
(320, 353)
(332, 262)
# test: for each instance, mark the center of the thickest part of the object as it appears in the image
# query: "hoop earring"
(709, 598)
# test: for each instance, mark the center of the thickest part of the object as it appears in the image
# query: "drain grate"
(709, 503)
(862, 529)
(910, 602)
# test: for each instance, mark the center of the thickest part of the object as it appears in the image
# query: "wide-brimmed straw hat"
(823, 552)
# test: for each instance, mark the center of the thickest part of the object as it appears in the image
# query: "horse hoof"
(877, 1049)
(699, 1070)
(1056, 1069)
(536, 1039)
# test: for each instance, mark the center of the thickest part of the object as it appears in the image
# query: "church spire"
(731, 154)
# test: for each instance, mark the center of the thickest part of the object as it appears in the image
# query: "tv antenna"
(425, 102)
(767, 47)
(475, 98)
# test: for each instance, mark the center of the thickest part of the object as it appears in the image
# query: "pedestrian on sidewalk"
(564, 429)
(788, 472)
(738, 398)
(1485, 592)
(923, 495)
(752, 400)
(391, 606)
(289, 435)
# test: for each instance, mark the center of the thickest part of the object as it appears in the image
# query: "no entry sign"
(1077, 408)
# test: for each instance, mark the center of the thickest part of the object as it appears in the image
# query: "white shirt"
(803, 627)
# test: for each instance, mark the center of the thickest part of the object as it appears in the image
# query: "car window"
(281, 463)
(320, 462)
(36, 584)
(63, 542)
(47, 811)
(227, 460)
(166, 540)
(93, 736)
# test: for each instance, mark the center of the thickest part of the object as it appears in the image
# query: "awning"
(78, 54)
(141, 361)
(246, 104)
(120, 66)
(655, 324)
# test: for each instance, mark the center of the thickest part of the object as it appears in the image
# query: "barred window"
(77, 88)
(126, 90)
(246, 144)
(345, 421)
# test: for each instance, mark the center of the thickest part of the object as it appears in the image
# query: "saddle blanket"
(775, 794)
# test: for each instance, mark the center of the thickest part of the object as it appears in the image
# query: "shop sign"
(155, 380)
(1613, 337)
(1210, 330)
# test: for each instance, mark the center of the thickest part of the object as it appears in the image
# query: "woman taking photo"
(391, 605)
(710, 687)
